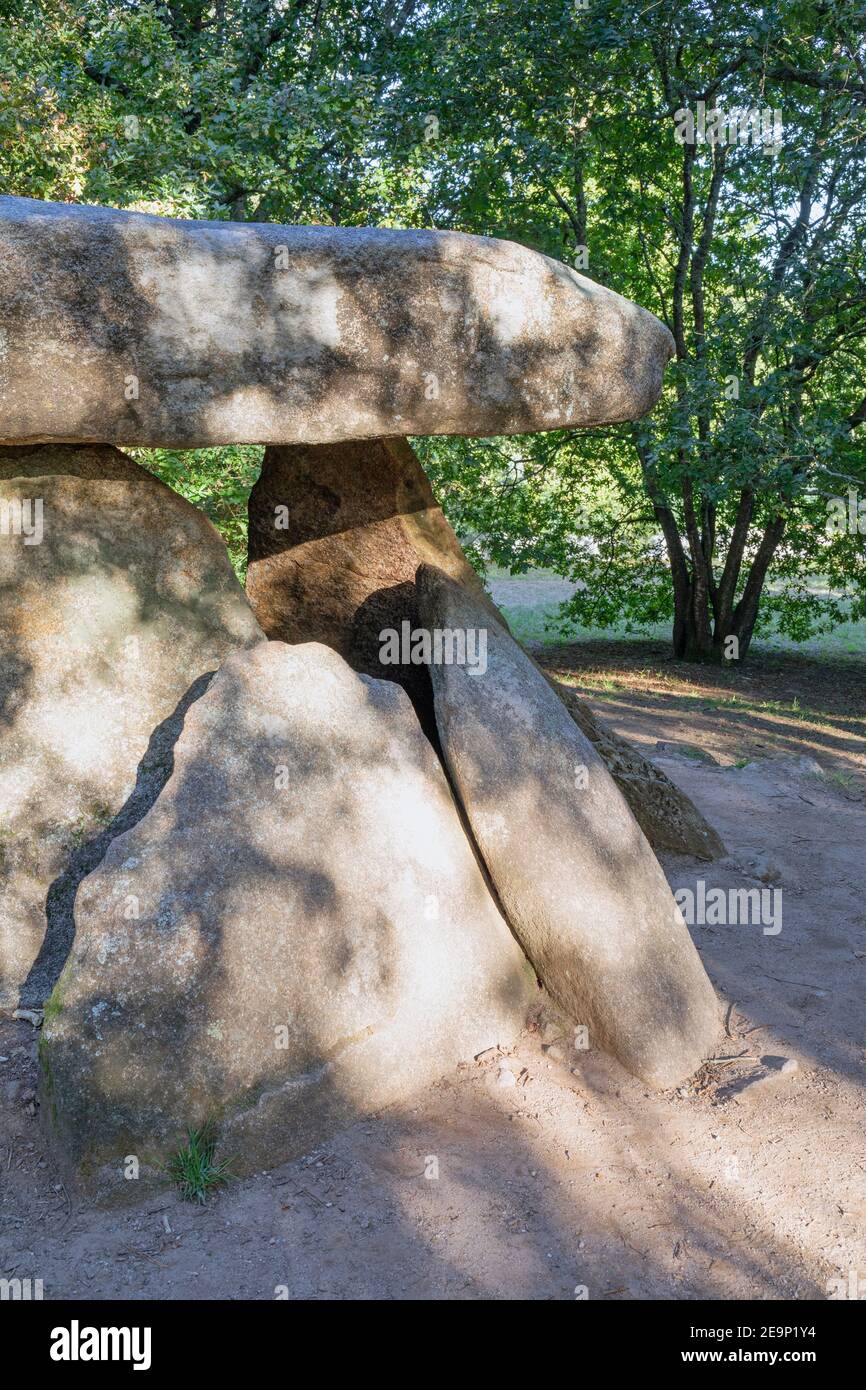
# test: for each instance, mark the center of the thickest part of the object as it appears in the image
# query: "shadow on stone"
(153, 773)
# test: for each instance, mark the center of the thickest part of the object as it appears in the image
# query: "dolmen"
(274, 858)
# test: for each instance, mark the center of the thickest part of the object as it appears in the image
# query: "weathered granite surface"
(128, 329)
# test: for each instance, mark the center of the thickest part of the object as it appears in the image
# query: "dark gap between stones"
(153, 773)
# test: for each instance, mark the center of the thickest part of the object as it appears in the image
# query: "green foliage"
(217, 481)
(195, 1169)
(571, 143)
(553, 125)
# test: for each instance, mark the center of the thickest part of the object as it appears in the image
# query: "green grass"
(499, 572)
(845, 780)
(536, 623)
(195, 1170)
(738, 704)
(532, 623)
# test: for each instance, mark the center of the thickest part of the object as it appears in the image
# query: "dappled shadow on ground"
(835, 686)
(583, 1179)
(776, 705)
(580, 1178)
(560, 1184)
(568, 1179)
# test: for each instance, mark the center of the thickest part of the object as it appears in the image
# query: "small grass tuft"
(845, 780)
(195, 1169)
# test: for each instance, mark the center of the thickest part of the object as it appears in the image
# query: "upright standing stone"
(296, 934)
(336, 535)
(111, 609)
(577, 879)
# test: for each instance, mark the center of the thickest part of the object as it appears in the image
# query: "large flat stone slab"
(297, 933)
(575, 874)
(107, 622)
(131, 329)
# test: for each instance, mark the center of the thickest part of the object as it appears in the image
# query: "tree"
(556, 125)
(565, 133)
(241, 109)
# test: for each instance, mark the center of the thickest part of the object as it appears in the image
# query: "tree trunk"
(692, 634)
(699, 637)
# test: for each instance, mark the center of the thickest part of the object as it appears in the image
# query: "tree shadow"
(254, 333)
(248, 921)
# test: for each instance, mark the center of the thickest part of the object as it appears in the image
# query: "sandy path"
(570, 1177)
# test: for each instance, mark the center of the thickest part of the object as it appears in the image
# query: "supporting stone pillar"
(337, 533)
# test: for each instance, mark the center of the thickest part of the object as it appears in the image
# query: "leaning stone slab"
(116, 597)
(296, 934)
(576, 877)
(131, 329)
(668, 818)
(336, 535)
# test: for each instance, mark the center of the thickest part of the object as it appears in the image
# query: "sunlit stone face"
(234, 333)
(105, 624)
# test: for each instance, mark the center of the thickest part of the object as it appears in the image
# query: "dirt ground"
(549, 1172)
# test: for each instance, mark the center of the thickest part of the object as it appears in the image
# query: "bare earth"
(573, 1177)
